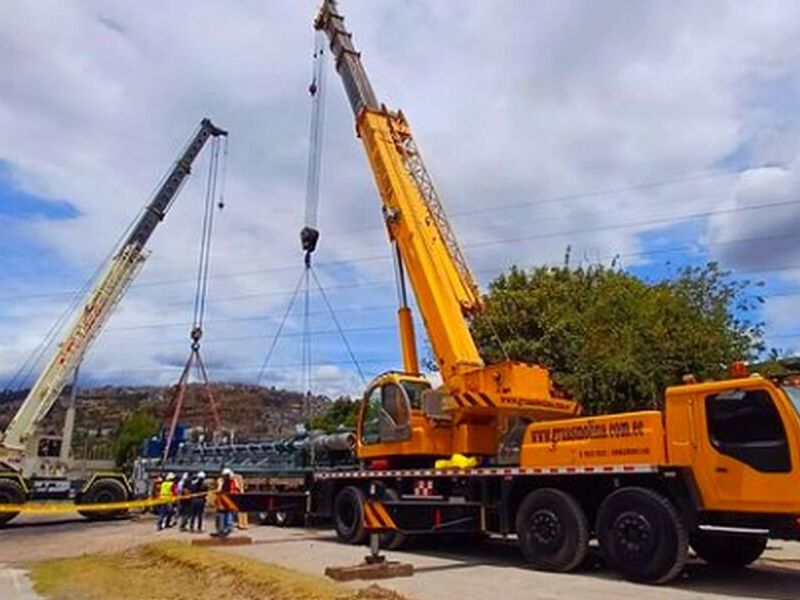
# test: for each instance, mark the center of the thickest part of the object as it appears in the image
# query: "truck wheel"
(10, 493)
(552, 530)
(392, 540)
(348, 515)
(734, 551)
(101, 492)
(642, 536)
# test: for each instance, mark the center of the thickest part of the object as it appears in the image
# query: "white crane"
(28, 473)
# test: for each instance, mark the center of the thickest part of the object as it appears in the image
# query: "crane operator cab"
(394, 421)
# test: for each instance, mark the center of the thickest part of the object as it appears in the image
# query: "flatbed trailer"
(483, 500)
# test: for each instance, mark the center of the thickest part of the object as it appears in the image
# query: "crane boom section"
(434, 277)
(443, 285)
(103, 298)
(445, 290)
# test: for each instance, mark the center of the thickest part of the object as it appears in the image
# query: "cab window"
(371, 423)
(747, 426)
(414, 391)
(395, 404)
(49, 447)
(387, 415)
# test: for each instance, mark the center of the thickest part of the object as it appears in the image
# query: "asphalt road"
(490, 571)
(495, 570)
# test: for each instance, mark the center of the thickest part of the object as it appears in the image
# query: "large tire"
(552, 531)
(348, 515)
(392, 540)
(10, 493)
(642, 535)
(101, 492)
(730, 550)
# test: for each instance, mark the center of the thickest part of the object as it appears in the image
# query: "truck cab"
(740, 439)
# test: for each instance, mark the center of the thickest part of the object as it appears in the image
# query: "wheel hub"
(545, 528)
(633, 533)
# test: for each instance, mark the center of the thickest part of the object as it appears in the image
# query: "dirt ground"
(177, 571)
(442, 572)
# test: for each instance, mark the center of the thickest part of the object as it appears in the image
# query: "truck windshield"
(793, 391)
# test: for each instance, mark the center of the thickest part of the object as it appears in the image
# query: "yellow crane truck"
(717, 470)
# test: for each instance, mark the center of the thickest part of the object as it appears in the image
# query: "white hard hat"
(170, 476)
(227, 471)
(201, 475)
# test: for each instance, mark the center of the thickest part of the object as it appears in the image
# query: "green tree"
(136, 428)
(341, 412)
(614, 341)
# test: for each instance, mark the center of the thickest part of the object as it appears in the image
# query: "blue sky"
(665, 135)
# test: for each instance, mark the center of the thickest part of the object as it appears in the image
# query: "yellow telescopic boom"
(446, 292)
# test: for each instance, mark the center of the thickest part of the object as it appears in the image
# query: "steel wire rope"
(338, 325)
(279, 330)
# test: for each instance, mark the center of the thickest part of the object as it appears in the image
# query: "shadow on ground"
(762, 580)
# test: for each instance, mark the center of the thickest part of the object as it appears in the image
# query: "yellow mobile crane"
(717, 469)
(464, 416)
(31, 469)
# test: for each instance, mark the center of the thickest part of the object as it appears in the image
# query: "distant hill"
(251, 412)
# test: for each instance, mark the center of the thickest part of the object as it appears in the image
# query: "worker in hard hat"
(184, 501)
(242, 521)
(199, 489)
(167, 495)
(155, 493)
(223, 503)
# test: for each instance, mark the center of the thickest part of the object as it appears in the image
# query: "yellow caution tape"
(42, 508)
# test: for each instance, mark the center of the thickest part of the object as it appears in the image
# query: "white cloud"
(512, 102)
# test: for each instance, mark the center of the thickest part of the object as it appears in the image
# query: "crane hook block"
(308, 239)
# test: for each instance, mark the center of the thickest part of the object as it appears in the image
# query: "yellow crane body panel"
(627, 438)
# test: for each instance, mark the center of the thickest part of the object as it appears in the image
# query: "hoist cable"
(279, 330)
(204, 262)
(338, 325)
(210, 237)
(306, 371)
(221, 203)
(317, 91)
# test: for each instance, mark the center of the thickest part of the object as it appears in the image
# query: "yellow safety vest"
(166, 489)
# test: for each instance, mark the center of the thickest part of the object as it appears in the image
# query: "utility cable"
(564, 233)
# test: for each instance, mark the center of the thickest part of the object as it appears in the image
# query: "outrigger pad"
(377, 570)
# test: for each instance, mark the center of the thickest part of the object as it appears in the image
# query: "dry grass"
(177, 571)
